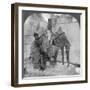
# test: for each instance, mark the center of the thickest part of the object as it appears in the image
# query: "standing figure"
(35, 53)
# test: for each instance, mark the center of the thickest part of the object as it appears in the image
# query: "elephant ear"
(45, 44)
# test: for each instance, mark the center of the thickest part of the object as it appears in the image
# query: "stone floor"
(50, 70)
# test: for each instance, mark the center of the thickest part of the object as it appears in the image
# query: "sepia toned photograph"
(49, 44)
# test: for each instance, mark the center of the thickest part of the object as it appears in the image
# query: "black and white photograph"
(51, 44)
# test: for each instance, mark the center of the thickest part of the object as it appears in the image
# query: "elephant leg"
(56, 53)
(62, 52)
(42, 67)
(67, 55)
